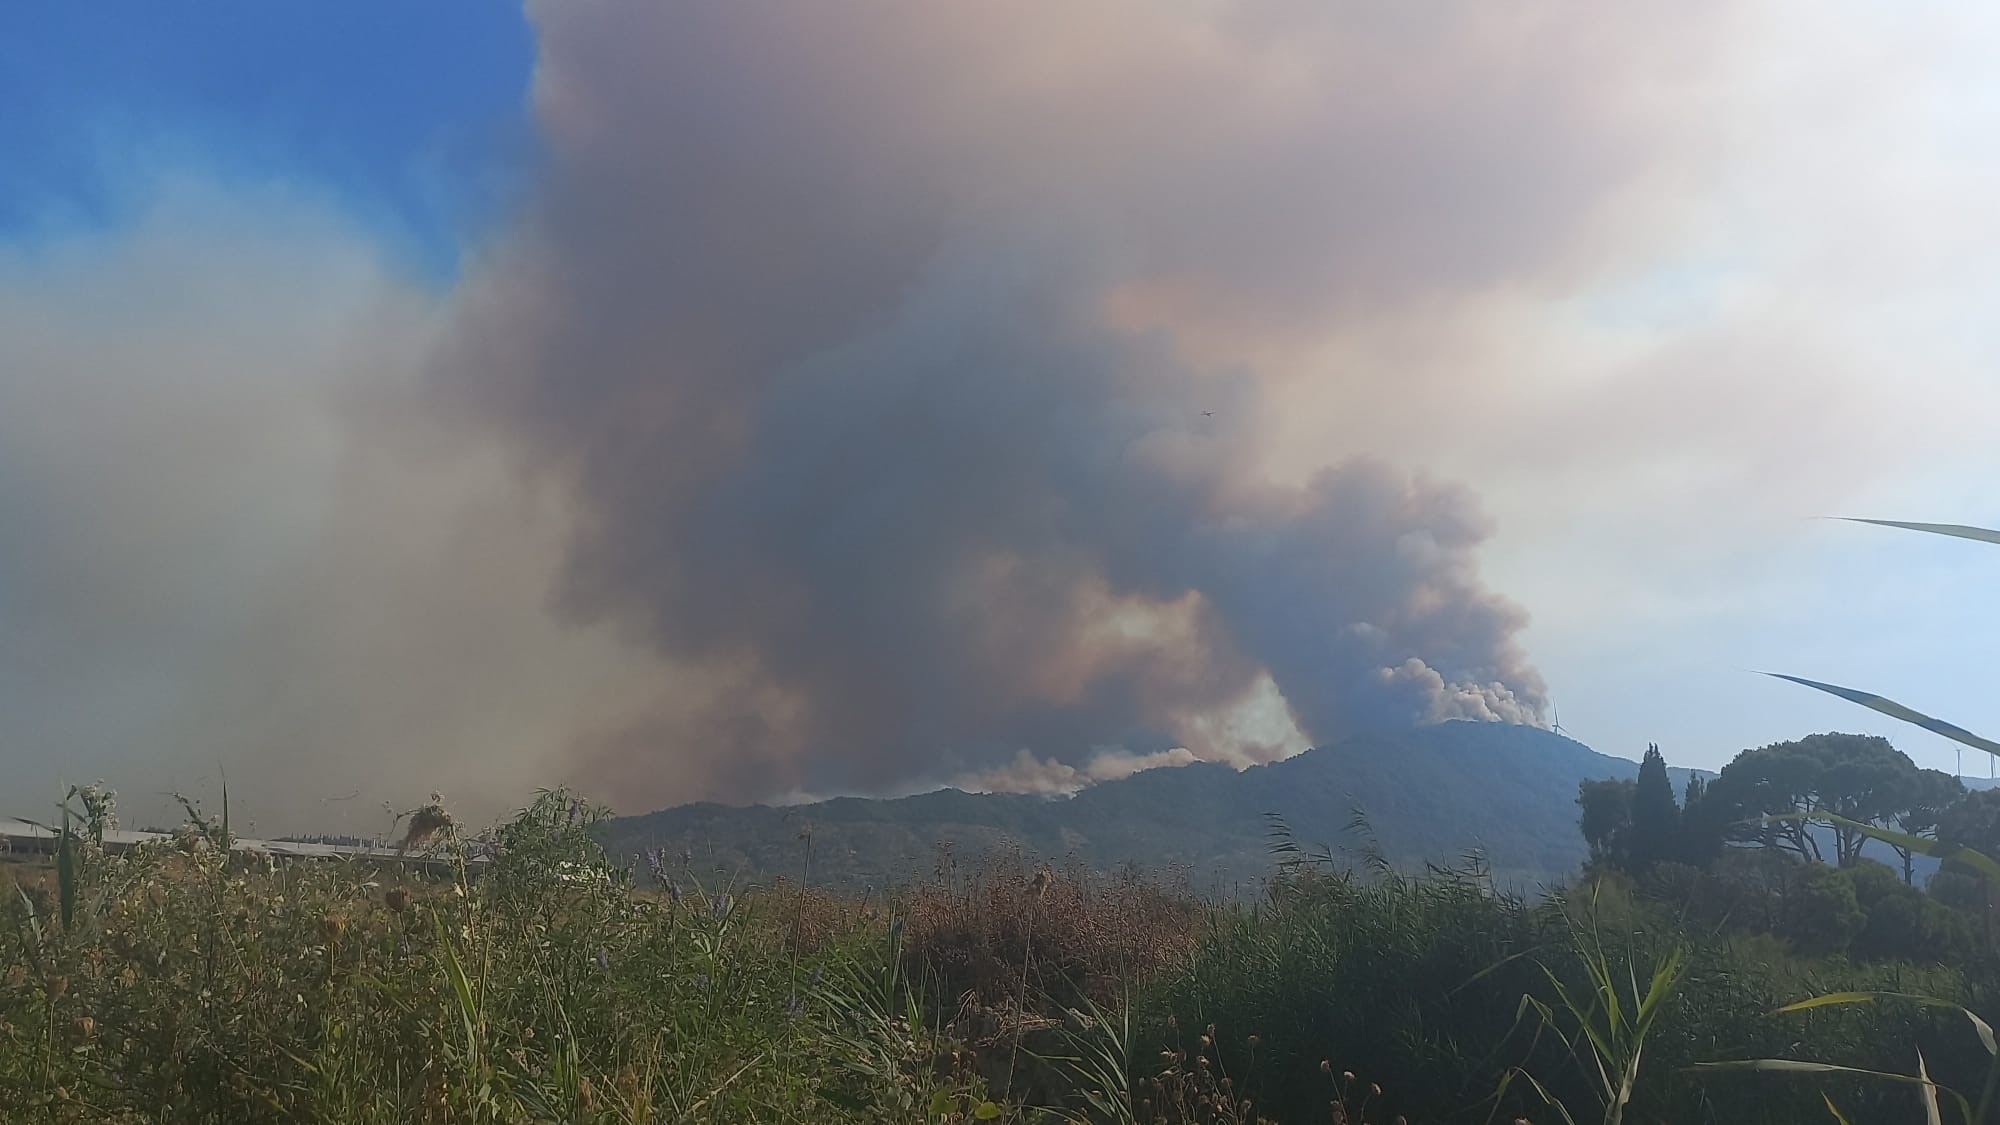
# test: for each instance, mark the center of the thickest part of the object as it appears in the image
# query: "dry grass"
(1068, 935)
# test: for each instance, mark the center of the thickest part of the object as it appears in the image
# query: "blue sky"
(412, 116)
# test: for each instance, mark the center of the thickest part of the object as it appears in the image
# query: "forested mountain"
(1432, 794)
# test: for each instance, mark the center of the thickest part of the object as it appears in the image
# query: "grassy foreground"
(187, 983)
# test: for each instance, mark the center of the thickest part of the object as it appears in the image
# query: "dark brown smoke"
(878, 345)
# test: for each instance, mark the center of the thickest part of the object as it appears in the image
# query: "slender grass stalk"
(1604, 1025)
(66, 873)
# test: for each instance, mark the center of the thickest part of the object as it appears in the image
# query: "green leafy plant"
(1605, 1023)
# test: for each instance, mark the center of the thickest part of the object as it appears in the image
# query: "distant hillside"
(1430, 795)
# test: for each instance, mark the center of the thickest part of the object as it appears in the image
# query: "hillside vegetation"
(1429, 795)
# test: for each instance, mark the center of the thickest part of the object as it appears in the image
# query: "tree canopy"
(1856, 777)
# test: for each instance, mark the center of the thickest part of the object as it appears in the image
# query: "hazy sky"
(693, 400)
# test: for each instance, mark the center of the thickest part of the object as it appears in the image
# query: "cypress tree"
(1656, 819)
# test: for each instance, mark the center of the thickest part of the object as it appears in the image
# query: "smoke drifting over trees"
(864, 396)
(866, 340)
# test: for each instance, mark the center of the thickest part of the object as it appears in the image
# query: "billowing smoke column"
(865, 336)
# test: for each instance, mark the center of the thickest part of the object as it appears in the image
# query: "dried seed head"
(396, 899)
(425, 823)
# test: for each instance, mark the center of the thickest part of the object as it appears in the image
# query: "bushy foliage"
(532, 981)
(193, 985)
(1401, 981)
(1417, 985)
(1901, 922)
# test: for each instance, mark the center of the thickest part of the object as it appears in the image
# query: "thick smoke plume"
(886, 350)
(863, 352)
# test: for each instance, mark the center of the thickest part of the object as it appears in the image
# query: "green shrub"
(196, 985)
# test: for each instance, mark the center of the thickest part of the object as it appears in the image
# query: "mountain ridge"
(1429, 795)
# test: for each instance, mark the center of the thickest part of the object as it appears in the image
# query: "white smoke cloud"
(1029, 773)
